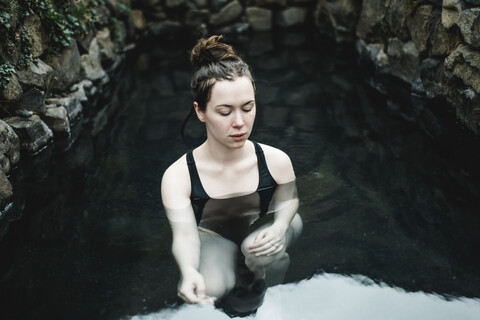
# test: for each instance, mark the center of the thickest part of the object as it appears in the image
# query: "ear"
(198, 112)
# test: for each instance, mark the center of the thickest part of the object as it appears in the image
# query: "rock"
(138, 19)
(196, 18)
(101, 16)
(91, 65)
(268, 3)
(66, 68)
(33, 133)
(469, 24)
(260, 19)
(217, 5)
(37, 75)
(57, 118)
(464, 63)
(9, 147)
(6, 190)
(420, 26)
(71, 103)
(200, 3)
(443, 42)
(373, 12)
(474, 2)
(175, 3)
(403, 59)
(236, 28)
(373, 52)
(83, 90)
(107, 47)
(396, 16)
(33, 100)
(164, 28)
(99, 122)
(291, 17)
(429, 79)
(13, 90)
(451, 10)
(38, 39)
(339, 15)
(148, 3)
(227, 14)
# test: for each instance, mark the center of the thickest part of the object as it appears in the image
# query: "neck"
(221, 154)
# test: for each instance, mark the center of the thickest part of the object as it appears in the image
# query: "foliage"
(6, 71)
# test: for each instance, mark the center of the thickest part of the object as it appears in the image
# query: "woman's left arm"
(272, 239)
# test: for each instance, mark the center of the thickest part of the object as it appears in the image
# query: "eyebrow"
(230, 106)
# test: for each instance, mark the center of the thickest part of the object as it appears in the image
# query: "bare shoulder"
(176, 184)
(279, 164)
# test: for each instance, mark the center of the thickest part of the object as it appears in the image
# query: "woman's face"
(230, 113)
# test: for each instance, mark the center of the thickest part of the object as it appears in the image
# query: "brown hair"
(213, 61)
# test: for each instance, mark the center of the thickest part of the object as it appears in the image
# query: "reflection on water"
(337, 297)
(388, 189)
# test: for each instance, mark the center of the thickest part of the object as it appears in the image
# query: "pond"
(388, 187)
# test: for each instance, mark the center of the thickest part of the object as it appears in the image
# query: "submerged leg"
(217, 263)
(271, 268)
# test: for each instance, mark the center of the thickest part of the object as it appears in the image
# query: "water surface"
(388, 189)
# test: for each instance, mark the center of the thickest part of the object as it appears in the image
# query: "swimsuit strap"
(265, 178)
(266, 183)
(198, 195)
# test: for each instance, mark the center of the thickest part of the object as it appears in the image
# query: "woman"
(212, 235)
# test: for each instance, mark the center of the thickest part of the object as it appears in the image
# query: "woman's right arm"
(186, 243)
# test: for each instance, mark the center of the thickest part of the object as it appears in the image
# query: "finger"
(260, 236)
(268, 250)
(200, 289)
(267, 240)
(188, 296)
(261, 247)
(277, 250)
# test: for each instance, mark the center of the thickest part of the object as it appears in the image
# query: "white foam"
(336, 297)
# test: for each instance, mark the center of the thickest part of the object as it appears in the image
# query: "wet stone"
(57, 119)
(227, 14)
(91, 65)
(164, 28)
(37, 75)
(13, 90)
(9, 147)
(260, 19)
(6, 190)
(33, 100)
(138, 19)
(291, 17)
(66, 68)
(71, 103)
(33, 133)
(38, 38)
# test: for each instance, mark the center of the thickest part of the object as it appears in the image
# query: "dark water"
(388, 187)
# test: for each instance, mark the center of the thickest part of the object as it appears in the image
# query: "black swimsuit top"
(266, 185)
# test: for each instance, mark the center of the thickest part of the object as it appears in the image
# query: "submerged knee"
(219, 286)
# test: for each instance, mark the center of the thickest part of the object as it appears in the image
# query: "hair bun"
(211, 50)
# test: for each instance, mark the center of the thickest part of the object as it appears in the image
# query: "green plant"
(6, 71)
(25, 57)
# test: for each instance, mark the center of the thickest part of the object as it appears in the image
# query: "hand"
(268, 241)
(192, 288)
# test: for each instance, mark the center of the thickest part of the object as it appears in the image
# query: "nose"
(238, 119)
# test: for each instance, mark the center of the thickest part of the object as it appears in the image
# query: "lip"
(238, 136)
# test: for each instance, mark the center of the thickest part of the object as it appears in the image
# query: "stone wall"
(160, 17)
(432, 45)
(58, 93)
